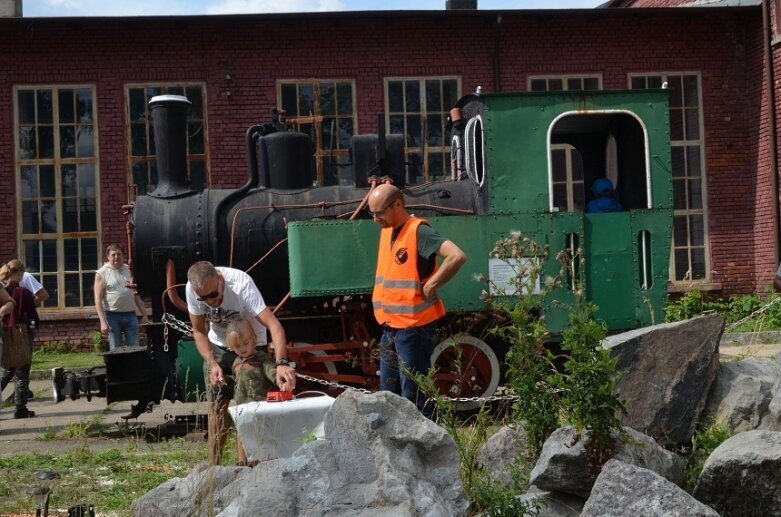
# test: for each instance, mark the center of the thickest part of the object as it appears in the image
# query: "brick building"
(75, 142)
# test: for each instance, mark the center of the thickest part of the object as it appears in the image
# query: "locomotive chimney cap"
(168, 98)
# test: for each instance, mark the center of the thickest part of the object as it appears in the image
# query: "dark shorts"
(225, 359)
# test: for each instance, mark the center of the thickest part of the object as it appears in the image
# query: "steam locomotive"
(520, 162)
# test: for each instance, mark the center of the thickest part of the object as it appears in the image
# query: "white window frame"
(564, 78)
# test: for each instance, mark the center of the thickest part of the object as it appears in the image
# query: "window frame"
(564, 78)
(296, 121)
(150, 160)
(60, 236)
(687, 282)
(425, 149)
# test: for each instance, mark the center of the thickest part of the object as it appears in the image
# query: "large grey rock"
(553, 504)
(741, 394)
(563, 465)
(502, 452)
(380, 457)
(667, 370)
(742, 477)
(202, 492)
(623, 489)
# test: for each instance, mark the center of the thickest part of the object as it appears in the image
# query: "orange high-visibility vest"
(398, 292)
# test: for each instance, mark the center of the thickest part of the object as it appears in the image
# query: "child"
(254, 371)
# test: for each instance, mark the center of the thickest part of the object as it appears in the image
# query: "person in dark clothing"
(24, 314)
(605, 200)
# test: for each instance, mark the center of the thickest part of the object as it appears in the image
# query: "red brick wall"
(724, 47)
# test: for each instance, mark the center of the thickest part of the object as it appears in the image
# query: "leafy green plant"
(704, 442)
(99, 341)
(733, 309)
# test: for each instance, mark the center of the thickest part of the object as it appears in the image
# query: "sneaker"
(23, 413)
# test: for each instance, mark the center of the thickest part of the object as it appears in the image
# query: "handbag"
(17, 351)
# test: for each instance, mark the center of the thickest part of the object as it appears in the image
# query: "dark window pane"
(433, 96)
(66, 106)
(693, 167)
(44, 101)
(306, 99)
(575, 84)
(692, 124)
(682, 264)
(73, 290)
(49, 282)
(140, 177)
(138, 139)
(395, 96)
(434, 130)
(29, 181)
(345, 133)
(412, 93)
(577, 165)
(198, 174)
(30, 217)
(698, 263)
(87, 293)
(87, 180)
(414, 130)
(414, 168)
(559, 164)
(591, 83)
(195, 96)
(151, 141)
(436, 166)
(450, 94)
(32, 257)
(539, 85)
(45, 142)
(175, 90)
(327, 99)
(676, 124)
(70, 248)
(27, 142)
(88, 215)
(396, 125)
(68, 180)
(654, 81)
(152, 174)
(579, 196)
(638, 83)
(695, 194)
(678, 161)
(26, 102)
(48, 187)
(153, 91)
(680, 231)
(690, 93)
(67, 142)
(85, 144)
(288, 98)
(330, 172)
(48, 217)
(697, 229)
(675, 91)
(679, 194)
(555, 85)
(195, 137)
(49, 255)
(328, 131)
(560, 197)
(89, 254)
(344, 99)
(137, 104)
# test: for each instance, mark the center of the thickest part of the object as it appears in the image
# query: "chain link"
(753, 314)
(171, 321)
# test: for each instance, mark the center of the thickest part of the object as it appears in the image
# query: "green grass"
(46, 359)
(110, 479)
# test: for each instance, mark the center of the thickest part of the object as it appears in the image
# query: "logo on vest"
(401, 256)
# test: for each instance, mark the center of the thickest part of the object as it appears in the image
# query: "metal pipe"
(170, 284)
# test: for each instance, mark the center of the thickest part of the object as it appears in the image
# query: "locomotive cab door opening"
(585, 148)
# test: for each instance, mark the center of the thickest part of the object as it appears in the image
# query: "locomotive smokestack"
(169, 119)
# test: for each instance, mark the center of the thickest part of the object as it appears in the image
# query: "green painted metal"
(330, 258)
(189, 372)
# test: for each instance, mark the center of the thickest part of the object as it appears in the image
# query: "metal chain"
(753, 314)
(171, 321)
(332, 385)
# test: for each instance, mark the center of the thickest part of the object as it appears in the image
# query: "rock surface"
(503, 451)
(741, 394)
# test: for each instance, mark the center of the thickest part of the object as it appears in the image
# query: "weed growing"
(704, 442)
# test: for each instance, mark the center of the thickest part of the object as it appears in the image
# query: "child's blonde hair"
(236, 329)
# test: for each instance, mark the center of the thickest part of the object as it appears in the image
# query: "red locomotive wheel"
(466, 367)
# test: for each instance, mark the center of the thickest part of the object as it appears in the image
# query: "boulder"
(553, 504)
(624, 489)
(741, 394)
(742, 477)
(666, 372)
(502, 452)
(563, 465)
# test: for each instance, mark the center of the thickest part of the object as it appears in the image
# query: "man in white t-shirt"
(219, 295)
(32, 284)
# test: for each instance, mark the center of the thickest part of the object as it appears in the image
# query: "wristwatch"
(285, 362)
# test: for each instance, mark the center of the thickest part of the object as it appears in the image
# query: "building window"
(560, 82)
(142, 174)
(418, 108)
(690, 260)
(567, 178)
(325, 110)
(56, 168)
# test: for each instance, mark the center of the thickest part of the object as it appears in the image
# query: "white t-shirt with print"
(241, 299)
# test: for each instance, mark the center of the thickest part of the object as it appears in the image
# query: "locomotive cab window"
(585, 150)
